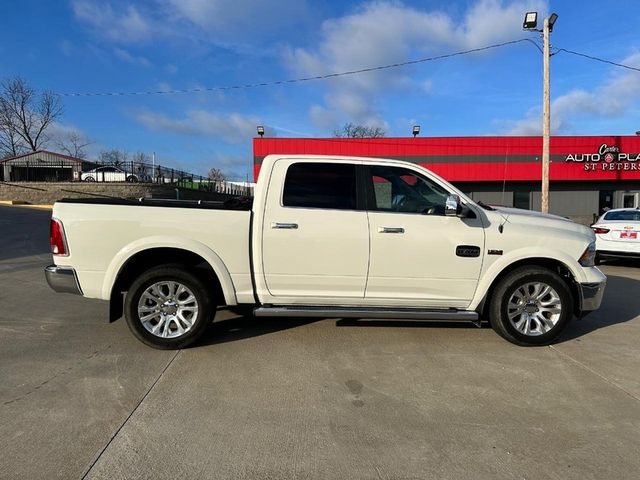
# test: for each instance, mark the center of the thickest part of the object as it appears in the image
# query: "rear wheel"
(132, 179)
(168, 307)
(531, 306)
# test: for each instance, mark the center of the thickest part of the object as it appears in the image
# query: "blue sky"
(76, 46)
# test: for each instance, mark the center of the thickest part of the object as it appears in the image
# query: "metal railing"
(62, 170)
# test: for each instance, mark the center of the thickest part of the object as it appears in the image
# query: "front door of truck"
(315, 240)
(419, 256)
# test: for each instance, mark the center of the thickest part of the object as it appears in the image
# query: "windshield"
(623, 215)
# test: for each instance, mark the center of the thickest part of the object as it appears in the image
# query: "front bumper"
(62, 279)
(591, 296)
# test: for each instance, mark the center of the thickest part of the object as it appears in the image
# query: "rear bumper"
(591, 296)
(62, 279)
(618, 248)
(618, 253)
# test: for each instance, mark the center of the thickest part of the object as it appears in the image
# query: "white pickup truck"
(327, 237)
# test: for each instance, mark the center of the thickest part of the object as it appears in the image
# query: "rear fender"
(193, 246)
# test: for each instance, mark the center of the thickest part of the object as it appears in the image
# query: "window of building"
(629, 200)
(402, 190)
(320, 185)
(521, 200)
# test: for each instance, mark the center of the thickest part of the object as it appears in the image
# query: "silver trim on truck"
(591, 296)
(62, 279)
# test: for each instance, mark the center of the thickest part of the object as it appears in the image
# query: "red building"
(587, 174)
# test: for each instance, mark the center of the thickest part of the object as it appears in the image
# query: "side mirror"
(451, 206)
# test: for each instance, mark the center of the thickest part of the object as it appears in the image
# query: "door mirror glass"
(452, 205)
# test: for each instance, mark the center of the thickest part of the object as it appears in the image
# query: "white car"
(618, 233)
(108, 174)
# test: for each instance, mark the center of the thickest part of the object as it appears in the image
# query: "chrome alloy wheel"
(167, 309)
(534, 308)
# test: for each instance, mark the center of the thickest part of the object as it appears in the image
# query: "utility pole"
(531, 23)
(546, 120)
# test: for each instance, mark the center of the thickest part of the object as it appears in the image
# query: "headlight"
(588, 258)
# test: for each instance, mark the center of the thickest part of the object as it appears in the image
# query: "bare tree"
(114, 156)
(27, 114)
(217, 175)
(11, 144)
(141, 157)
(352, 130)
(73, 144)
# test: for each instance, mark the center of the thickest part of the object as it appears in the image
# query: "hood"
(508, 215)
(528, 213)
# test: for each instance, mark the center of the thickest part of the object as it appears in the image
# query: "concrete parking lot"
(278, 399)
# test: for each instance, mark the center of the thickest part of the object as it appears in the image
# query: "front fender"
(128, 251)
(499, 265)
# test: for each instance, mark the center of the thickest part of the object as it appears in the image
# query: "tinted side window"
(401, 190)
(320, 185)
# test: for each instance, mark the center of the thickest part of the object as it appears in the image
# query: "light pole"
(530, 23)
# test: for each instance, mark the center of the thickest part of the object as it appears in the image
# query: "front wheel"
(531, 306)
(168, 307)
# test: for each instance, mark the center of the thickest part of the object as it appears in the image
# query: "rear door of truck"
(315, 235)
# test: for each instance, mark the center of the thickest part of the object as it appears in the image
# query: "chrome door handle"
(390, 230)
(290, 226)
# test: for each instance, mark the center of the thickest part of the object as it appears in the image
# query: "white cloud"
(427, 86)
(238, 19)
(231, 128)
(128, 57)
(385, 32)
(322, 117)
(118, 24)
(612, 98)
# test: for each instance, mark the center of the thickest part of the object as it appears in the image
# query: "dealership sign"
(608, 157)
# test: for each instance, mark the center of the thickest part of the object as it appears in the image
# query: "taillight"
(56, 238)
(600, 230)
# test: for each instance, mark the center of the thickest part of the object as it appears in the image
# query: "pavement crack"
(591, 370)
(115, 434)
(58, 374)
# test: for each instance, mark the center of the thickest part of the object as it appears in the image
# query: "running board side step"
(361, 312)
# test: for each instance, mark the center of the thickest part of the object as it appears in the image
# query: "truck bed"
(103, 233)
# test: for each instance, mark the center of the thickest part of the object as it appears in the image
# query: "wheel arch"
(545, 262)
(134, 259)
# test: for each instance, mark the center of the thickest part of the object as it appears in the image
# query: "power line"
(297, 80)
(597, 59)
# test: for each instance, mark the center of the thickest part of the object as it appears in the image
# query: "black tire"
(598, 259)
(170, 273)
(132, 179)
(507, 287)
(89, 179)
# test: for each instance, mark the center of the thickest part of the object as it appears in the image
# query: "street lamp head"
(416, 130)
(552, 19)
(261, 130)
(530, 20)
